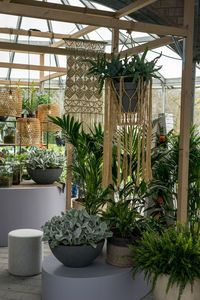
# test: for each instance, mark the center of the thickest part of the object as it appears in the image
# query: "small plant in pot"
(44, 166)
(131, 69)
(76, 238)
(6, 175)
(122, 217)
(171, 260)
(9, 135)
(29, 102)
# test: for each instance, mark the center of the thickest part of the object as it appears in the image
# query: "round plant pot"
(161, 285)
(47, 176)
(118, 252)
(128, 92)
(77, 204)
(6, 180)
(3, 119)
(9, 139)
(77, 256)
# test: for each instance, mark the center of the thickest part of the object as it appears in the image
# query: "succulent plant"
(44, 159)
(75, 227)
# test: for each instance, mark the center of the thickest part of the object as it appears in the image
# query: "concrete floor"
(23, 288)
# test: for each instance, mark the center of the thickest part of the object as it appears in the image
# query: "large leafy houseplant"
(76, 238)
(174, 253)
(87, 163)
(134, 67)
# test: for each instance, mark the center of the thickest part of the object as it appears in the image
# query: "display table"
(99, 281)
(28, 205)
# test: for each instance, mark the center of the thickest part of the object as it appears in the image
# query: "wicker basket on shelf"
(10, 102)
(28, 132)
(45, 110)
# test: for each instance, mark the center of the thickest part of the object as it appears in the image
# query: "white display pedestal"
(98, 281)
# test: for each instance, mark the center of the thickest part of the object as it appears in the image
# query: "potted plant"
(9, 135)
(6, 175)
(76, 238)
(122, 219)
(29, 102)
(44, 166)
(132, 69)
(171, 260)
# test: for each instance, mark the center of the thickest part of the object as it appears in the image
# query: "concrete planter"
(117, 252)
(77, 204)
(47, 176)
(161, 285)
(77, 256)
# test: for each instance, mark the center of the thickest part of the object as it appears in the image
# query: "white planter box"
(161, 285)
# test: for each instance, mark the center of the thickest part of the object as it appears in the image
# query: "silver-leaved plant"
(75, 227)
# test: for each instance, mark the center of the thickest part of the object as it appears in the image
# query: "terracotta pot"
(161, 285)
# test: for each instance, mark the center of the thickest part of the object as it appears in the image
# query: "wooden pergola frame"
(99, 18)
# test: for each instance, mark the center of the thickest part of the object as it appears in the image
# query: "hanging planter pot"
(10, 102)
(126, 93)
(45, 110)
(28, 132)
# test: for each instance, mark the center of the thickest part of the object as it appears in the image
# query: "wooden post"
(115, 40)
(185, 122)
(41, 73)
(69, 176)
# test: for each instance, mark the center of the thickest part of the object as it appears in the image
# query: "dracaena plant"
(175, 252)
(44, 159)
(75, 227)
(135, 66)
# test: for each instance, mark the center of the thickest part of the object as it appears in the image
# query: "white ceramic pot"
(161, 285)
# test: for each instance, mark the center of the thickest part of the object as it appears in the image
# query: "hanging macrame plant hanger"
(128, 106)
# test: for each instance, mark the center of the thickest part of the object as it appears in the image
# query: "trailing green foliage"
(75, 227)
(44, 159)
(134, 67)
(175, 252)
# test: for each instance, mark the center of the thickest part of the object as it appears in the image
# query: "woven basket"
(28, 132)
(45, 110)
(10, 102)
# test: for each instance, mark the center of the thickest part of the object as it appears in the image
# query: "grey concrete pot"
(77, 256)
(129, 92)
(47, 176)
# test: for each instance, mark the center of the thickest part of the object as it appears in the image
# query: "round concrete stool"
(25, 252)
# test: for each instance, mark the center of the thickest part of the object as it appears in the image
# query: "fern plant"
(175, 252)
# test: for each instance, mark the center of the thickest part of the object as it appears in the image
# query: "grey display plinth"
(28, 207)
(99, 281)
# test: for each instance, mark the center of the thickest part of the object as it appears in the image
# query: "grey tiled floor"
(23, 288)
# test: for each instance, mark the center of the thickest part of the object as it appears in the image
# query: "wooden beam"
(151, 45)
(19, 82)
(32, 67)
(33, 33)
(17, 47)
(76, 35)
(127, 10)
(185, 122)
(51, 76)
(65, 13)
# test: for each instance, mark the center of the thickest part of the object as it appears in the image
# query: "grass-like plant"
(75, 227)
(175, 252)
